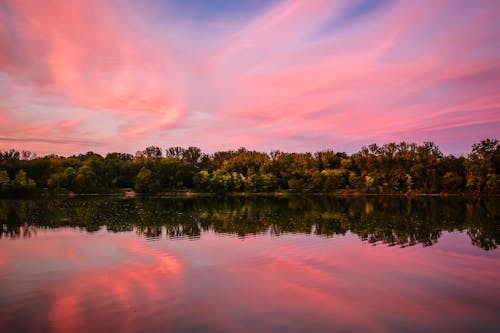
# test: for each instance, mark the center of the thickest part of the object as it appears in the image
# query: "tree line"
(391, 168)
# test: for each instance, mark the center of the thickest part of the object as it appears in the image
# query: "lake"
(250, 264)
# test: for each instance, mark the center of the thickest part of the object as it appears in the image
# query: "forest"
(393, 168)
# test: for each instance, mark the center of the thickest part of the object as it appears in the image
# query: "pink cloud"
(404, 71)
(86, 60)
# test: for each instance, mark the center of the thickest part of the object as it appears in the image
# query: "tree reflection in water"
(396, 221)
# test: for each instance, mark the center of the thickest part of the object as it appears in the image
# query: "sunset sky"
(220, 74)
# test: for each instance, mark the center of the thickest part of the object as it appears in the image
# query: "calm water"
(250, 265)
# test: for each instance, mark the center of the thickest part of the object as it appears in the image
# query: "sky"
(103, 76)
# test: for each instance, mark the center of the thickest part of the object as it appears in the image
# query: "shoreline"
(129, 193)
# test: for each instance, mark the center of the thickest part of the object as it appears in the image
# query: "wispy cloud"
(301, 75)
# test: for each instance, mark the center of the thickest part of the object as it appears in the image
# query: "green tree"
(5, 182)
(69, 176)
(22, 183)
(225, 182)
(202, 181)
(56, 181)
(85, 180)
(146, 181)
(483, 166)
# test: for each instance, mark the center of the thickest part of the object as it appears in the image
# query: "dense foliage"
(391, 168)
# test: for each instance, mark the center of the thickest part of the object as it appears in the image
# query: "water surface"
(250, 265)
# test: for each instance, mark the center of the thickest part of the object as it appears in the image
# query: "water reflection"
(394, 221)
(256, 265)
